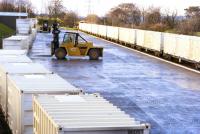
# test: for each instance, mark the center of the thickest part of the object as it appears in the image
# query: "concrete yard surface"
(150, 90)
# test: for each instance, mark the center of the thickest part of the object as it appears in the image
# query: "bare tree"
(126, 14)
(6, 6)
(56, 8)
(192, 22)
(170, 19)
(70, 19)
(92, 18)
(152, 16)
(193, 11)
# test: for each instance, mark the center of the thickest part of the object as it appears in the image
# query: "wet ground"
(166, 96)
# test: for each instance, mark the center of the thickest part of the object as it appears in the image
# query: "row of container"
(25, 35)
(36, 100)
(181, 46)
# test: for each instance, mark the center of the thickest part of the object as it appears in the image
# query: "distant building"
(9, 18)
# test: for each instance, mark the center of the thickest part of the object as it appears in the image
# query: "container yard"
(61, 73)
(150, 90)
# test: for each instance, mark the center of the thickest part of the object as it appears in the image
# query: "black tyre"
(60, 53)
(94, 54)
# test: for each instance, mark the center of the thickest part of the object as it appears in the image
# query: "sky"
(101, 7)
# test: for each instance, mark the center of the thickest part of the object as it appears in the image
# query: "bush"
(188, 27)
(158, 27)
(50, 20)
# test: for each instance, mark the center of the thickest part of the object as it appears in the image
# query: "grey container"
(82, 114)
(16, 69)
(21, 88)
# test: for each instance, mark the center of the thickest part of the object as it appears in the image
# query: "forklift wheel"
(60, 53)
(94, 54)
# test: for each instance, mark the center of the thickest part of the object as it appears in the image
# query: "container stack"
(82, 114)
(20, 90)
(26, 33)
(16, 69)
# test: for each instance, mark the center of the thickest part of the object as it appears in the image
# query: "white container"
(153, 40)
(94, 28)
(16, 69)
(13, 52)
(89, 27)
(112, 32)
(82, 114)
(17, 42)
(170, 43)
(102, 30)
(140, 34)
(127, 35)
(20, 91)
(194, 49)
(23, 26)
(14, 59)
(124, 34)
(132, 36)
(183, 46)
(28, 38)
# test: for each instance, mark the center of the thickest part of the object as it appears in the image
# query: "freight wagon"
(181, 47)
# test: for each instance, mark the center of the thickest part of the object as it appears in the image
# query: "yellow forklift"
(75, 45)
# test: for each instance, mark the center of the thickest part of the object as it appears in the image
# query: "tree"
(56, 8)
(70, 19)
(92, 18)
(192, 22)
(192, 12)
(152, 16)
(6, 6)
(170, 19)
(124, 14)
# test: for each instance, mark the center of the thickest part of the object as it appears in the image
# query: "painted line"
(175, 64)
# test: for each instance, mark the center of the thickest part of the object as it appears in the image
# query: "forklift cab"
(75, 44)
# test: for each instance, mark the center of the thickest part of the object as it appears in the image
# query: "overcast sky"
(100, 7)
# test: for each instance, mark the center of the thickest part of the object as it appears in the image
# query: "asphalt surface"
(166, 96)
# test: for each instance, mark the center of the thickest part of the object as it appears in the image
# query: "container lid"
(13, 52)
(24, 68)
(15, 59)
(86, 112)
(42, 83)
